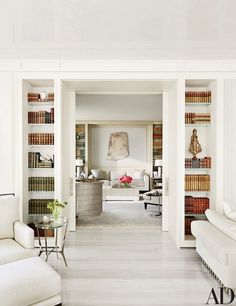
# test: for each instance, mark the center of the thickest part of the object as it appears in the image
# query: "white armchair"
(16, 238)
(19, 267)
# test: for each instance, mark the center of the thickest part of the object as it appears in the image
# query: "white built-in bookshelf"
(199, 180)
(38, 147)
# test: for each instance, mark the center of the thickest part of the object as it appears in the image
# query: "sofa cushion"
(116, 175)
(224, 224)
(216, 242)
(136, 174)
(98, 174)
(138, 183)
(28, 281)
(11, 251)
(9, 213)
(229, 210)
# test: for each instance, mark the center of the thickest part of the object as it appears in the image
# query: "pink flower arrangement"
(126, 180)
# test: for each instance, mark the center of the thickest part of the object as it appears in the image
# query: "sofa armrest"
(24, 235)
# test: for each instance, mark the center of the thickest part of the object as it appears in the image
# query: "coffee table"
(120, 194)
(153, 197)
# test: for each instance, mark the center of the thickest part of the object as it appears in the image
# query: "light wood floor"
(129, 267)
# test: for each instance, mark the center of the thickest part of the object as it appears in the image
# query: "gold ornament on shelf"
(195, 146)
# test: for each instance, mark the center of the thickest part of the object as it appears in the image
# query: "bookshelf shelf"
(46, 145)
(198, 124)
(202, 216)
(41, 124)
(189, 237)
(41, 103)
(197, 104)
(197, 169)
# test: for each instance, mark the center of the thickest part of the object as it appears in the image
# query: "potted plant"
(55, 207)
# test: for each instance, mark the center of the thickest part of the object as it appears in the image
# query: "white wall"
(138, 147)
(119, 107)
(230, 141)
(6, 132)
(132, 29)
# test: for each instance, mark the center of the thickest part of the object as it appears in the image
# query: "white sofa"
(20, 268)
(140, 180)
(216, 244)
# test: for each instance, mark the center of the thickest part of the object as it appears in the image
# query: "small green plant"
(55, 207)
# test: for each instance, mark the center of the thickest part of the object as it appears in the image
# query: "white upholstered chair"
(20, 268)
(16, 238)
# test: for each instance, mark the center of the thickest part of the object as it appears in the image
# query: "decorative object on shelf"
(158, 168)
(195, 146)
(118, 147)
(45, 219)
(126, 180)
(43, 96)
(78, 163)
(56, 207)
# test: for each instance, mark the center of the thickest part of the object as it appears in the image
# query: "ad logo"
(221, 299)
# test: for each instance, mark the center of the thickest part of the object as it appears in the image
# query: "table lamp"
(78, 163)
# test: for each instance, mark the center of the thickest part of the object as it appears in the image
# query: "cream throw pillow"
(136, 174)
(224, 224)
(229, 210)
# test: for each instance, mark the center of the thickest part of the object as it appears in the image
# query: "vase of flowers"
(56, 207)
(126, 180)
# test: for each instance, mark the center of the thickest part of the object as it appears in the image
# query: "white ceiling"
(112, 29)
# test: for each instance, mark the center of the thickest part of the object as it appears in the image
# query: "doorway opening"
(101, 109)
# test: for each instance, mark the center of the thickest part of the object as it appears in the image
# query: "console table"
(89, 198)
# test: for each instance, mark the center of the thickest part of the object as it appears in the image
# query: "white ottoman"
(29, 281)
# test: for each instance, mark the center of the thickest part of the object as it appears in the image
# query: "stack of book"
(204, 162)
(41, 117)
(196, 205)
(39, 206)
(198, 96)
(157, 141)
(193, 118)
(33, 97)
(41, 138)
(197, 182)
(34, 161)
(50, 96)
(188, 221)
(41, 183)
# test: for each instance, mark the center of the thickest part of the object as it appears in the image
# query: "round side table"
(52, 225)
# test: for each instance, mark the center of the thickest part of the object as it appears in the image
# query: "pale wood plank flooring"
(129, 267)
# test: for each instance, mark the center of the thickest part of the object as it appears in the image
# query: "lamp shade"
(79, 162)
(158, 163)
